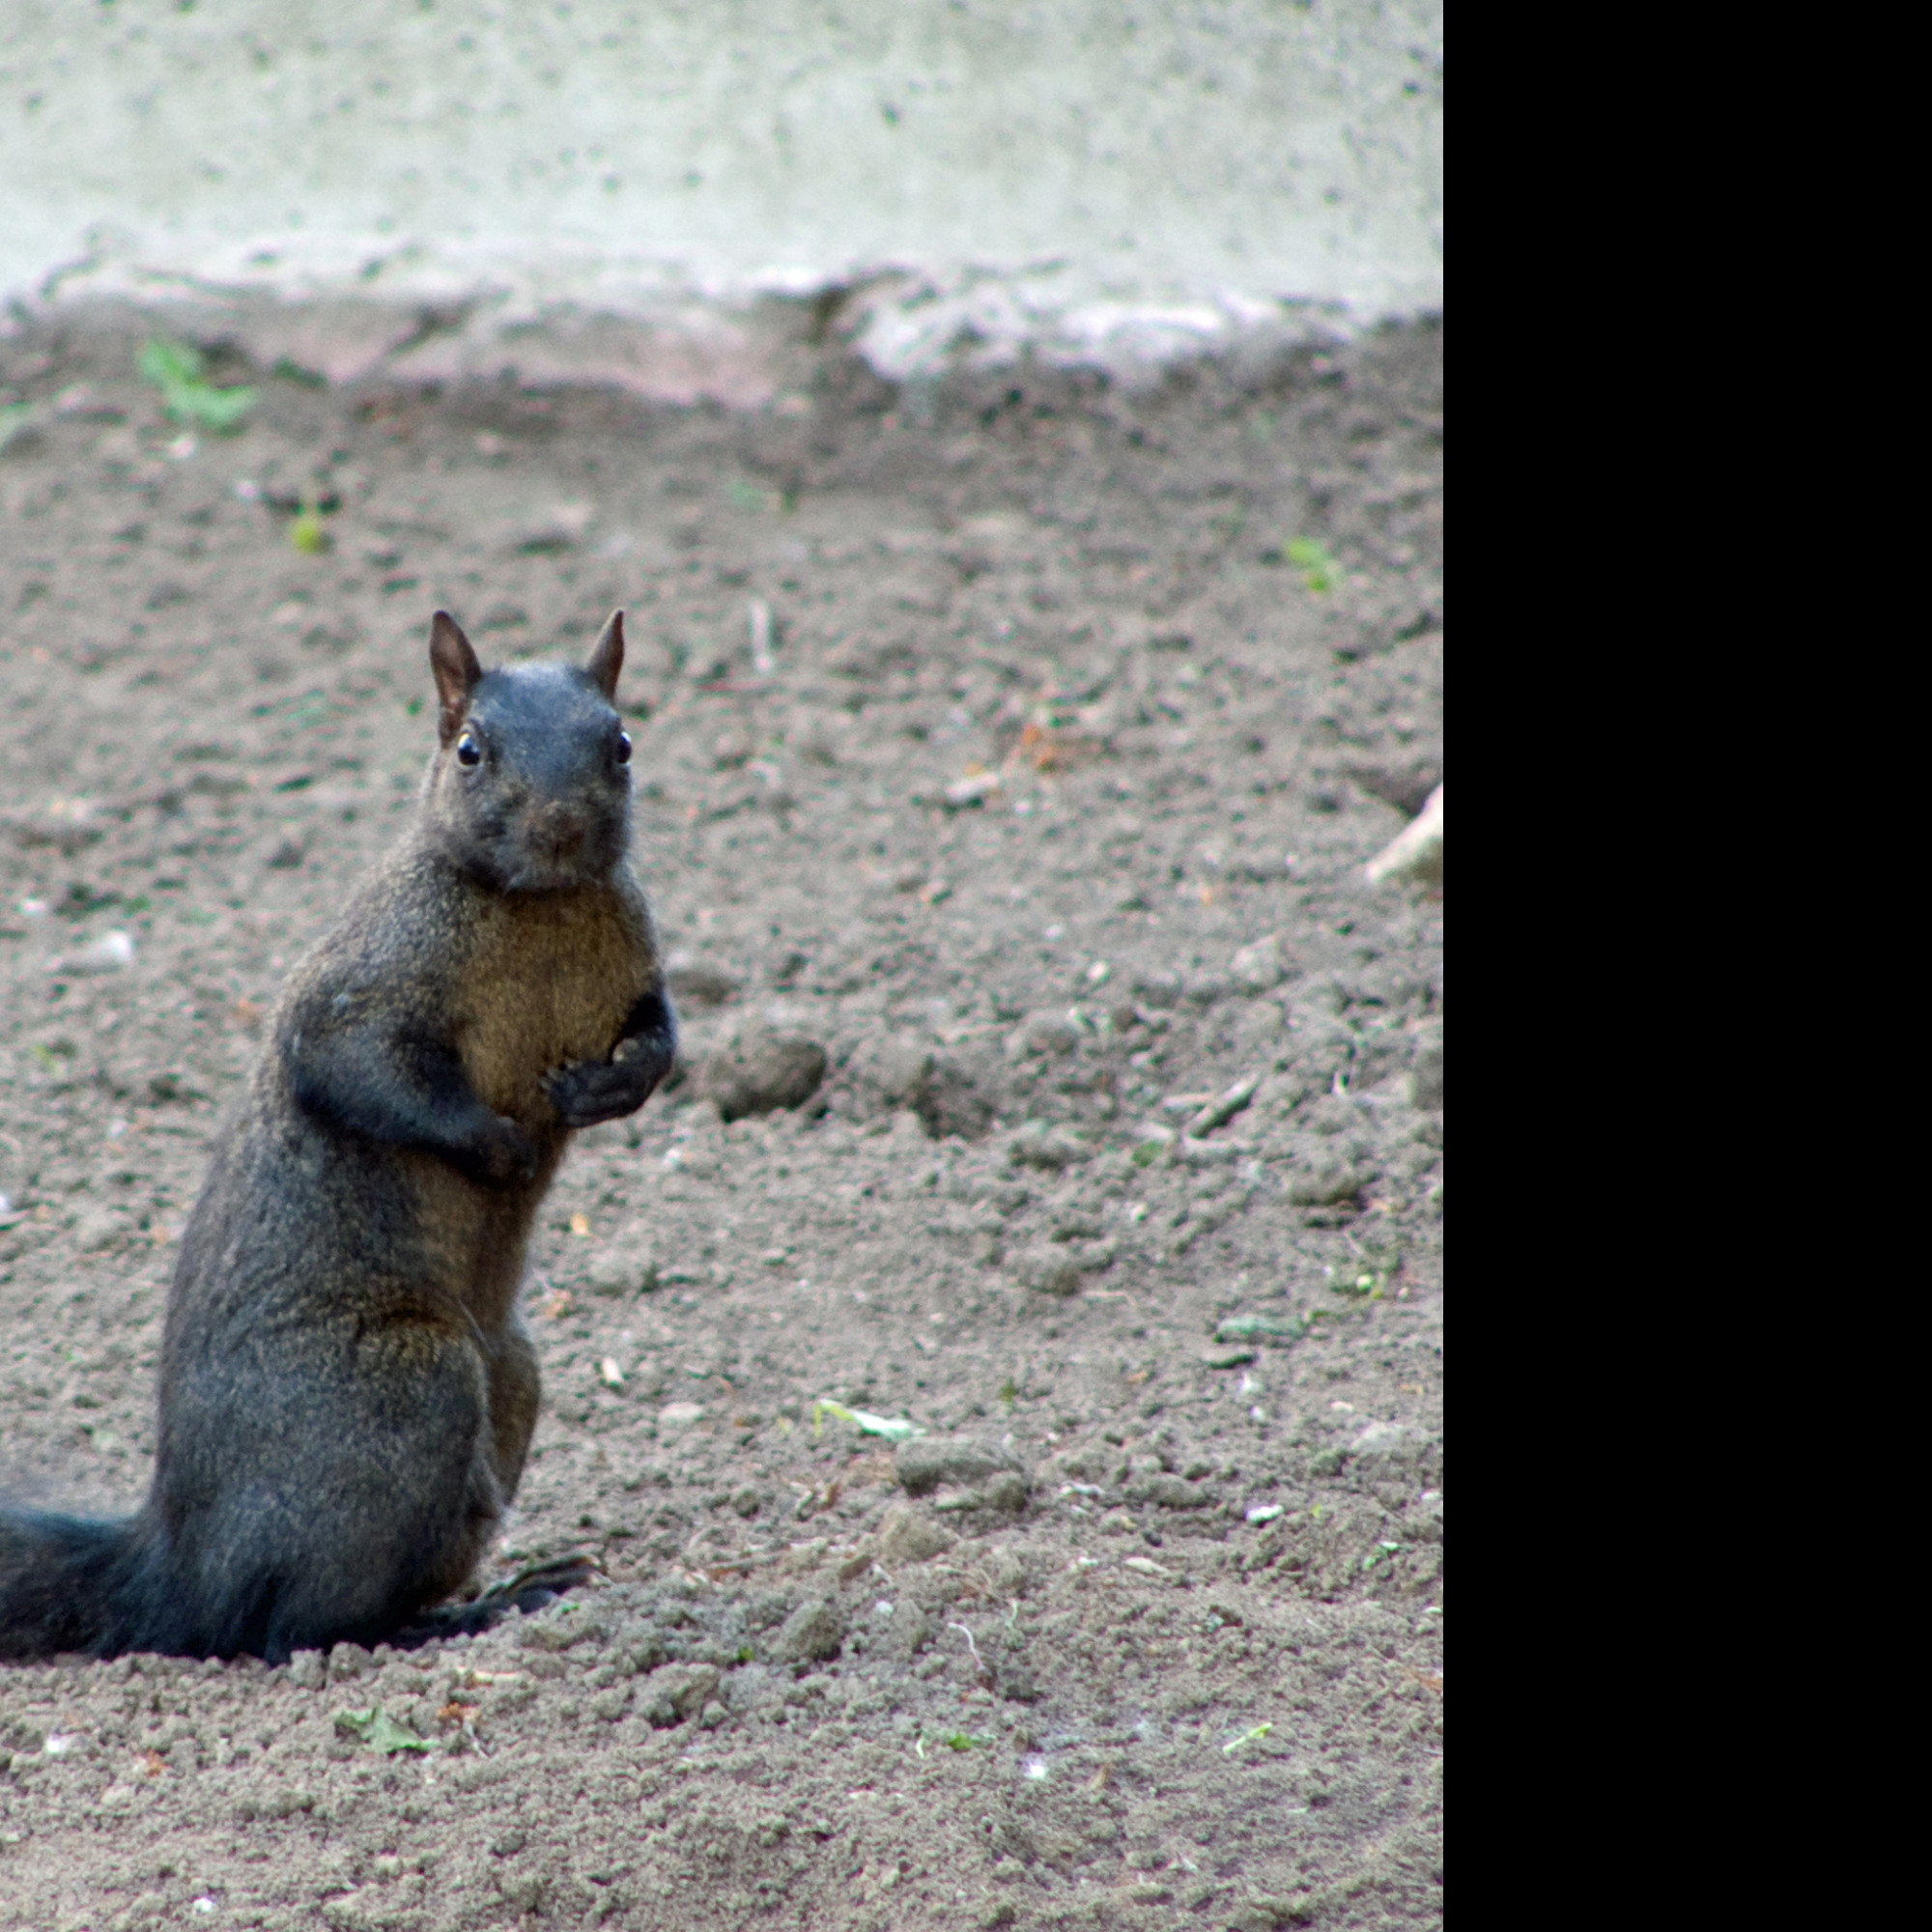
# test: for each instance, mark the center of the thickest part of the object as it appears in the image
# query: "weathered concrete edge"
(749, 352)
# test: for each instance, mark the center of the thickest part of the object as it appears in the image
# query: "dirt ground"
(986, 738)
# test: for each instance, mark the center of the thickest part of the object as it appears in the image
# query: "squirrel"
(347, 1390)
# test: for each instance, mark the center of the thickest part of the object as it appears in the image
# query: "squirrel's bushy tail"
(63, 1583)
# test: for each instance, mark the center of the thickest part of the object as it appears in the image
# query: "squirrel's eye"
(467, 750)
(623, 747)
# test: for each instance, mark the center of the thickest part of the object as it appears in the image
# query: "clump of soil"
(1004, 786)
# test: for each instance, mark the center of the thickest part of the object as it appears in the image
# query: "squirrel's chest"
(551, 982)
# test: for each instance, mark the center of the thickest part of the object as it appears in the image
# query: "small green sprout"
(306, 533)
(1318, 570)
(175, 368)
(1254, 1736)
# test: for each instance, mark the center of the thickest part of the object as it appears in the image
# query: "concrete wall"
(1103, 180)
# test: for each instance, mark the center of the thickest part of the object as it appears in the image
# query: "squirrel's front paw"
(505, 1152)
(595, 1091)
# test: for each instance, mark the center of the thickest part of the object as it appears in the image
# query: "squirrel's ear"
(608, 659)
(456, 670)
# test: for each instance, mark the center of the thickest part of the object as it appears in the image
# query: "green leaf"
(219, 409)
(169, 364)
(894, 1427)
(1259, 1327)
(175, 368)
(380, 1731)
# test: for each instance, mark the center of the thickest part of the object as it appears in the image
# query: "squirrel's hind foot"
(528, 1591)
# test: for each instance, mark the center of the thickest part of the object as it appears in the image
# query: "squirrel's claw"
(526, 1592)
(541, 1583)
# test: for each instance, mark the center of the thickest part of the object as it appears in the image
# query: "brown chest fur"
(549, 980)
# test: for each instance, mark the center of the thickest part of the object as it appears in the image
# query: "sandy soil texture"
(988, 743)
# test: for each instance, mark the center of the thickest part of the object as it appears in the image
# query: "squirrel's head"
(530, 785)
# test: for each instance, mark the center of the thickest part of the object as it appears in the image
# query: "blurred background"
(612, 191)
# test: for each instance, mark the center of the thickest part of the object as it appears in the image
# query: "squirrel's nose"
(559, 828)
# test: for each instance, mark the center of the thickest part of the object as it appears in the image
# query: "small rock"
(674, 1692)
(107, 954)
(1159, 989)
(1037, 1145)
(760, 1069)
(618, 1272)
(1007, 1491)
(698, 982)
(99, 1228)
(1018, 1685)
(306, 1671)
(607, 1706)
(1327, 1183)
(1262, 966)
(1170, 1492)
(347, 1662)
(897, 1071)
(680, 1414)
(813, 1632)
(953, 1101)
(1391, 1438)
(1044, 1032)
(908, 1629)
(747, 1687)
(892, 1069)
(1060, 1267)
(908, 1535)
(922, 1466)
